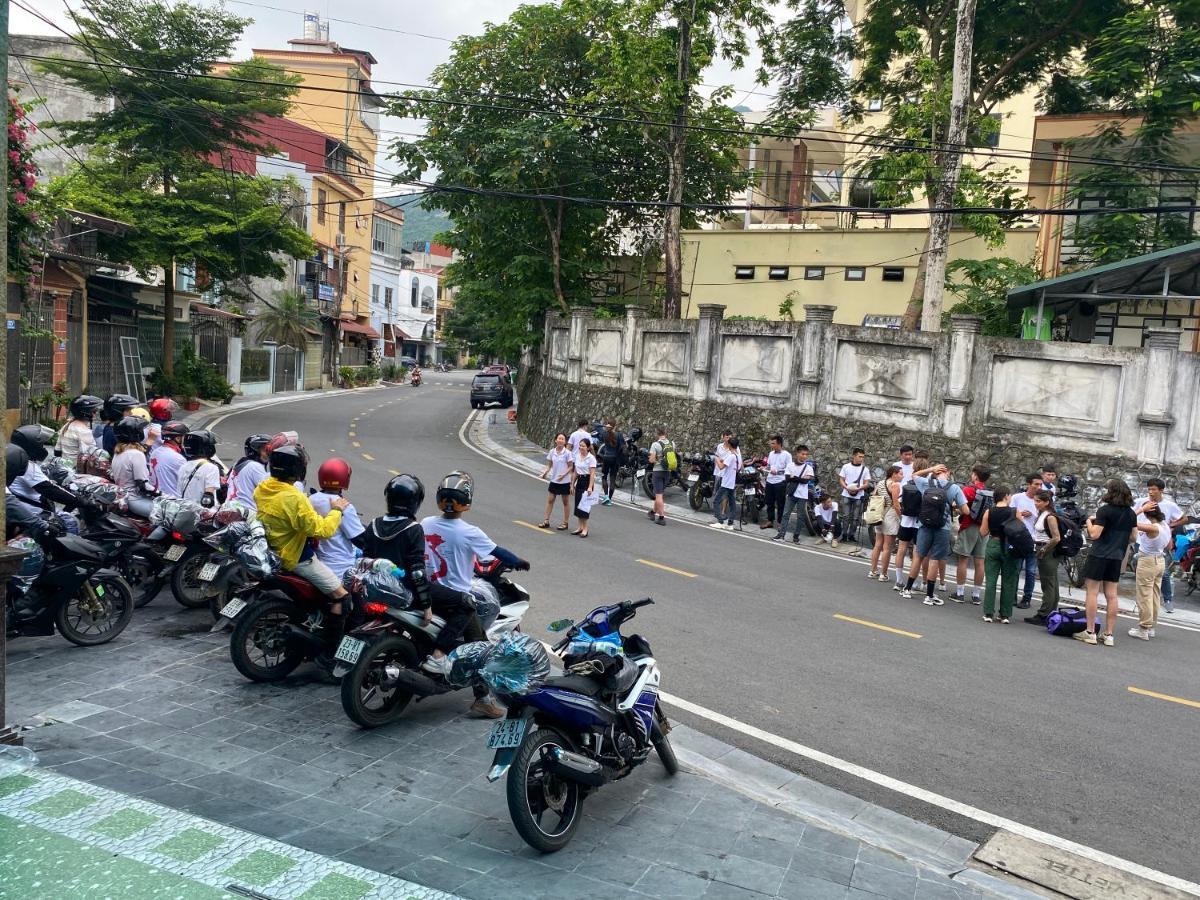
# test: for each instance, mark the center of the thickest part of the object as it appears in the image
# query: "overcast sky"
(403, 57)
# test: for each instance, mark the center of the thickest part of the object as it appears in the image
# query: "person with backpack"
(1047, 536)
(970, 545)
(998, 565)
(199, 479)
(1025, 504)
(910, 507)
(1110, 530)
(728, 464)
(855, 478)
(939, 497)
(663, 461)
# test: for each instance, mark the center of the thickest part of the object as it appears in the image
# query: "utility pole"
(676, 163)
(950, 158)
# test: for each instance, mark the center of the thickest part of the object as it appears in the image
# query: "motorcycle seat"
(141, 507)
(579, 684)
(297, 587)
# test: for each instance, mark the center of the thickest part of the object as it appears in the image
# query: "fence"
(212, 341)
(37, 358)
(256, 364)
(106, 370)
(354, 356)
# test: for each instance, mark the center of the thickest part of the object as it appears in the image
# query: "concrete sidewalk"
(491, 432)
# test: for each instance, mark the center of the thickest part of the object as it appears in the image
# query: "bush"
(389, 371)
(347, 374)
(370, 374)
(201, 376)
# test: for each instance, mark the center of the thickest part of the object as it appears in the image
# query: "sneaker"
(1024, 604)
(435, 666)
(884, 578)
(872, 575)
(826, 538)
(988, 619)
(928, 601)
(662, 520)
(796, 539)
(976, 600)
(1088, 637)
(779, 537)
(1168, 606)
(717, 525)
(937, 601)
(1004, 621)
(942, 587)
(959, 598)
(607, 501)
(1038, 620)
(1142, 634)
(1108, 640)
(833, 543)
(905, 594)
(650, 515)
(1150, 631)
(897, 586)
(485, 709)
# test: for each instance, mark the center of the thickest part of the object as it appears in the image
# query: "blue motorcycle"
(570, 734)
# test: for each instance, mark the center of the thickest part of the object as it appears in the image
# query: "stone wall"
(1097, 411)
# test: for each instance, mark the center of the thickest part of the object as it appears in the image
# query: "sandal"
(563, 527)
(545, 524)
(577, 531)
(582, 534)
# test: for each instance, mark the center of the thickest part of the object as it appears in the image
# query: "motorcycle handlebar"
(635, 604)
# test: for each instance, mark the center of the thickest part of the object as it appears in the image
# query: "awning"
(355, 328)
(201, 309)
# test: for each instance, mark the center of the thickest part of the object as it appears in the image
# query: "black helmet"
(33, 440)
(199, 444)
(1068, 486)
(118, 405)
(255, 443)
(456, 492)
(130, 430)
(635, 434)
(404, 495)
(85, 406)
(288, 463)
(16, 461)
(174, 430)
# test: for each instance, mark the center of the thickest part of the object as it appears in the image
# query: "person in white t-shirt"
(581, 432)
(77, 435)
(725, 508)
(905, 462)
(855, 479)
(1153, 538)
(799, 475)
(338, 551)
(167, 459)
(200, 478)
(1025, 504)
(906, 536)
(559, 468)
(825, 517)
(584, 466)
(249, 471)
(1173, 517)
(778, 461)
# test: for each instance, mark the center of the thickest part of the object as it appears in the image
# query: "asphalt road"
(1042, 730)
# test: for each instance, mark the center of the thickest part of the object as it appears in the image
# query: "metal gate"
(76, 377)
(37, 357)
(212, 342)
(287, 364)
(106, 371)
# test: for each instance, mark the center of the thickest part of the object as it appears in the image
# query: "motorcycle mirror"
(560, 624)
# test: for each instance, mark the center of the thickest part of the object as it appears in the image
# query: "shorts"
(933, 543)
(560, 490)
(905, 534)
(970, 542)
(1097, 569)
(660, 479)
(318, 575)
(891, 523)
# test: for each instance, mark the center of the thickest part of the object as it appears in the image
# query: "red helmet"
(163, 409)
(334, 475)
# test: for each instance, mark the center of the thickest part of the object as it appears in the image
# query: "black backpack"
(1017, 538)
(933, 506)
(910, 499)
(1070, 534)
(981, 503)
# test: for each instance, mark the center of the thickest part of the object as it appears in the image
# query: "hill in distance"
(419, 224)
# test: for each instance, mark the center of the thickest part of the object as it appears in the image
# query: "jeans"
(999, 565)
(608, 475)
(776, 495)
(1168, 583)
(458, 611)
(1031, 570)
(854, 512)
(1048, 575)
(793, 503)
(721, 496)
(834, 527)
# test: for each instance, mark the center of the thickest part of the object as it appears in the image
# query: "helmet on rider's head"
(255, 443)
(1068, 486)
(404, 495)
(119, 405)
(130, 430)
(199, 444)
(288, 462)
(334, 475)
(163, 409)
(635, 434)
(33, 439)
(456, 492)
(85, 406)
(16, 461)
(174, 431)
(282, 439)
(140, 412)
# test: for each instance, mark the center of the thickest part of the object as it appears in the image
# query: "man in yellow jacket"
(291, 522)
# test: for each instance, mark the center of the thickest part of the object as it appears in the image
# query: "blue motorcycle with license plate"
(568, 735)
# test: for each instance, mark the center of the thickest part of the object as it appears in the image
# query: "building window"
(814, 273)
(856, 273)
(743, 273)
(321, 200)
(375, 294)
(385, 237)
(341, 217)
(416, 287)
(875, 104)
(893, 273)
(778, 273)
(387, 297)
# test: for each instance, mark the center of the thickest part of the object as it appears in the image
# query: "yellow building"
(866, 273)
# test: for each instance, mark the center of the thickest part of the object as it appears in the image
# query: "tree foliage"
(982, 287)
(288, 320)
(27, 208)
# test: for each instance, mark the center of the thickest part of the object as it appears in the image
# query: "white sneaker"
(720, 525)
(827, 538)
(938, 601)
(833, 543)
(1107, 640)
(942, 587)
(905, 593)
(897, 586)
(435, 666)
(1004, 621)
(1151, 632)
(871, 575)
(928, 601)
(1142, 634)
(884, 578)
(988, 619)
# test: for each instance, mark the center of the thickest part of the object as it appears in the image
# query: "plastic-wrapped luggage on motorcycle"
(234, 511)
(59, 471)
(378, 581)
(175, 514)
(515, 664)
(31, 566)
(96, 489)
(487, 601)
(247, 543)
(94, 461)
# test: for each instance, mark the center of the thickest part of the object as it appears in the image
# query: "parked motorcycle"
(140, 561)
(380, 659)
(629, 462)
(701, 479)
(750, 489)
(572, 734)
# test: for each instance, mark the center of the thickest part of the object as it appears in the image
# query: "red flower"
(20, 198)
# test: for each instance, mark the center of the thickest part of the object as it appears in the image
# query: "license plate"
(233, 607)
(641, 473)
(209, 571)
(349, 650)
(750, 492)
(693, 478)
(174, 552)
(507, 733)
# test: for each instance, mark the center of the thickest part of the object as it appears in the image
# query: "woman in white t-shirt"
(559, 469)
(585, 485)
(200, 478)
(77, 436)
(1153, 537)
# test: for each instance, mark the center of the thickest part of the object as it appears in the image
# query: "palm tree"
(288, 320)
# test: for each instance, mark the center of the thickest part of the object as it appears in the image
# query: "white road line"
(878, 778)
(917, 793)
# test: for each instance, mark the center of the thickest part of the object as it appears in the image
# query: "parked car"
(491, 388)
(409, 361)
(499, 369)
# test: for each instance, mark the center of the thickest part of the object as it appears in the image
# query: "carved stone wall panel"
(665, 357)
(882, 375)
(560, 339)
(603, 355)
(756, 363)
(1056, 396)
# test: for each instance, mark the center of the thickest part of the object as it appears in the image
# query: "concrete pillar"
(235, 363)
(964, 332)
(706, 351)
(798, 183)
(547, 346)
(577, 343)
(1162, 350)
(630, 345)
(817, 319)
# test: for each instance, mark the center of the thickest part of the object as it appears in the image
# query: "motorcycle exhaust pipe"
(315, 642)
(575, 767)
(415, 683)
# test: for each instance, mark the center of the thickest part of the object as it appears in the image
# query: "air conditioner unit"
(340, 240)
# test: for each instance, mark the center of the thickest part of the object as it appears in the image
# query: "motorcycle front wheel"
(97, 612)
(261, 646)
(545, 809)
(696, 495)
(662, 746)
(647, 485)
(365, 702)
(186, 586)
(144, 578)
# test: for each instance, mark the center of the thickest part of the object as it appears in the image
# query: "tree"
(901, 54)
(982, 287)
(155, 61)
(1141, 70)
(288, 320)
(27, 219)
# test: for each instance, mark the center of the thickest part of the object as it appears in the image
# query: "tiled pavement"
(161, 715)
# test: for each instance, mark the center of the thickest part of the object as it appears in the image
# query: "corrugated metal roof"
(1138, 275)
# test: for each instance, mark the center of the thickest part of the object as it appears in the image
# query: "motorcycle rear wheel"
(361, 684)
(88, 618)
(647, 485)
(534, 794)
(263, 629)
(143, 577)
(696, 495)
(186, 586)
